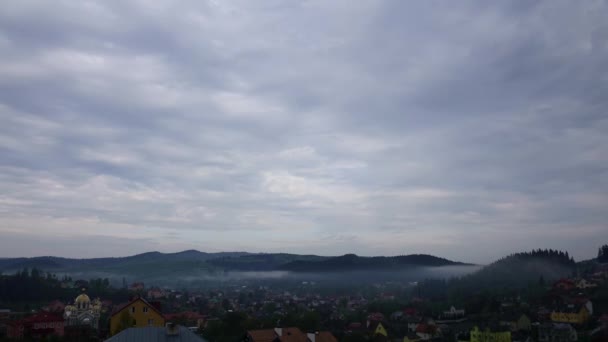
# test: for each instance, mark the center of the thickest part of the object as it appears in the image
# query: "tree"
(602, 254)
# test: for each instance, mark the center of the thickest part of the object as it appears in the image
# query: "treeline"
(30, 286)
(545, 254)
(602, 254)
(36, 286)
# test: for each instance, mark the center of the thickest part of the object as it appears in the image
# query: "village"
(569, 309)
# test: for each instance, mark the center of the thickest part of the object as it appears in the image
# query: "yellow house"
(571, 316)
(136, 313)
(487, 335)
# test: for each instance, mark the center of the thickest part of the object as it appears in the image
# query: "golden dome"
(82, 298)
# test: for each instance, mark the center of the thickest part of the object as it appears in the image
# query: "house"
(453, 313)
(156, 293)
(426, 331)
(574, 314)
(55, 306)
(564, 285)
(581, 301)
(412, 323)
(410, 312)
(374, 317)
(488, 334)
(516, 322)
(171, 332)
(556, 332)
(137, 286)
(380, 330)
(136, 313)
(584, 284)
(354, 326)
(38, 326)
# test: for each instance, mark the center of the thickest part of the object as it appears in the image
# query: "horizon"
(487, 262)
(469, 131)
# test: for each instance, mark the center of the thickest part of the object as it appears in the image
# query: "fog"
(205, 278)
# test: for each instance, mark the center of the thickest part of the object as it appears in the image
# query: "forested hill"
(352, 262)
(522, 269)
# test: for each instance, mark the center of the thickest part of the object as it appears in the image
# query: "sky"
(463, 129)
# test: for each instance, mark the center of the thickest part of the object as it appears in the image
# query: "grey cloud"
(387, 128)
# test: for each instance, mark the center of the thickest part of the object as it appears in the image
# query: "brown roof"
(293, 335)
(325, 336)
(266, 335)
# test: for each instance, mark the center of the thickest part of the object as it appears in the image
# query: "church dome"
(82, 298)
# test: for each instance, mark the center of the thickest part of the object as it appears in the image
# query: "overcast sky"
(467, 130)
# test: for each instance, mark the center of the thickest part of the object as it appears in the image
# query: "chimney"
(172, 329)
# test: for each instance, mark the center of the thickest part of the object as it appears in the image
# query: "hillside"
(144, 263)
(521, 269)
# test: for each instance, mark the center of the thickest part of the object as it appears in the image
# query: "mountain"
(145, 263)
(352, 262)
(192, 260)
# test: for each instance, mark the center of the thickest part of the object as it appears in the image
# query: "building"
(83, 312)
(584, 284)
(556, 332)
(516, 322)
(489, 335)
(137, 286)
(169, 333)
(573, 314)
(55, 306)
(426, 331)
(156, 293)
(38, 326)
(564, 285)
(453, 313)
(136, 313)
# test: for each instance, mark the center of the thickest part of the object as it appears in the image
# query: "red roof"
(410, 311)
(375, 316)
(426, 329)
(325, 336)
(354, 325)
(266, 335)
(42, 317)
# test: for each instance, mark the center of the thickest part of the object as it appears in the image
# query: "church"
(84, 312)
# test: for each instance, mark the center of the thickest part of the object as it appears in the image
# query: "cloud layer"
(467, 130)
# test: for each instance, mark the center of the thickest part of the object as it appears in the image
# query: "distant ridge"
(239, 261)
